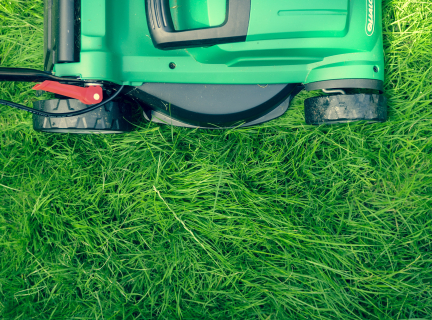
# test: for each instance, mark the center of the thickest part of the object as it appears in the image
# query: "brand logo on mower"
(370, 17)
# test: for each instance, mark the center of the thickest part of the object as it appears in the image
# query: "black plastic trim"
(217, 106)
(77, 30)
(164, 35)
(48, 36)
(347, 84)
(62, 23)
(158, 117)
(66, 31)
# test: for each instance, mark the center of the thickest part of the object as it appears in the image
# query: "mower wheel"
(113, 117)
(346, 108)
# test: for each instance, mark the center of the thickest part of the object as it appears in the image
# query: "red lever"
(88, 95)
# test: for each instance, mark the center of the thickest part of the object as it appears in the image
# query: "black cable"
(61, 115)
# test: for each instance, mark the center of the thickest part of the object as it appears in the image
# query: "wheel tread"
(345, 108)
(113, 116)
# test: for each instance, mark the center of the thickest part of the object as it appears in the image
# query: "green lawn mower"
(206, 63)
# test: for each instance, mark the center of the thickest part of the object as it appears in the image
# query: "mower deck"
(286, 42)
(219, 63)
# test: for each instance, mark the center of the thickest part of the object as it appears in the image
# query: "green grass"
(280, 221)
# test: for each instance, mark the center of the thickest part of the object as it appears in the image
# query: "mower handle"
(165, 37)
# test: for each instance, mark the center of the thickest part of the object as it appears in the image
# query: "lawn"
(279, 221)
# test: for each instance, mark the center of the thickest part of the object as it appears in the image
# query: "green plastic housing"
(287, 42)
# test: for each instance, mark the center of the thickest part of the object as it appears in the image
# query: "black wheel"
(113, 117)
(346, 108)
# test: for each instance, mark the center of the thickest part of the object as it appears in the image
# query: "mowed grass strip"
(280, 221)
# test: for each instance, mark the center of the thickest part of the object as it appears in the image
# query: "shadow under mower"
(206, 63)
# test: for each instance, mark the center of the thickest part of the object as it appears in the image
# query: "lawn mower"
(206, 63)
